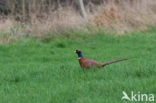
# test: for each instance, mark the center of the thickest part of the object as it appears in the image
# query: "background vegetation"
(41, 17)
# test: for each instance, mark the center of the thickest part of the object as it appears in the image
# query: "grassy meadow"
(40, 71)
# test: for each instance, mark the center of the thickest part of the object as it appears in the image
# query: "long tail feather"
(104, 64)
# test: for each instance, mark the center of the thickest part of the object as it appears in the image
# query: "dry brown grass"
(59, 20)
(122, 17)
(6, 25)
(126, 16)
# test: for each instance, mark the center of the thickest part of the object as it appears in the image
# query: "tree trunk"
(23, 10)
(82, 9)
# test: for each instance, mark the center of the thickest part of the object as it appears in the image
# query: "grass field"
(34, 71)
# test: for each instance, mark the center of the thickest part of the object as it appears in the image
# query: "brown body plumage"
(87, 64)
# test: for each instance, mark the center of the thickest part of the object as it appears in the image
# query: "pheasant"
(87, 64)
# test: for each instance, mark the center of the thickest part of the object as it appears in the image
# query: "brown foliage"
(44, 16)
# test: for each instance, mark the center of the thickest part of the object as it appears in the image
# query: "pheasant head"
(79, 53)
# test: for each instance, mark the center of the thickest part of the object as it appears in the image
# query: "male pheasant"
(87, 64)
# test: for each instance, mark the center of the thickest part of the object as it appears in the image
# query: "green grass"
(33, 71)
